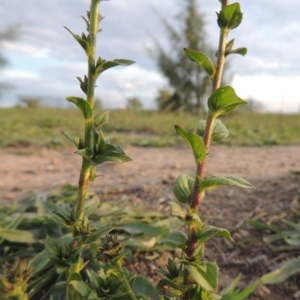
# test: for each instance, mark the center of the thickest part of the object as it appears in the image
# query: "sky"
(45, 60)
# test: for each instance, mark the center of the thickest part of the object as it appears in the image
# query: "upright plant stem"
(86, 166)
(197, 195)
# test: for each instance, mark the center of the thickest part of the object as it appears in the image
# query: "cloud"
(277, 94)
(46, 50)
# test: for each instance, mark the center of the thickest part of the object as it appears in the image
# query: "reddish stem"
(197, 195)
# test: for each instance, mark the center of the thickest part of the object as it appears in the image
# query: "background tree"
(134, 103)
(188, 83)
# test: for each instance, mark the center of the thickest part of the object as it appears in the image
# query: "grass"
(43, 127)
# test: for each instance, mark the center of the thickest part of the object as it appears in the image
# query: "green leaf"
(219, 133)
(229, 289)
(231, 293)
(210, 183)
(82, 42)
(223, 100)
(183, 188)
(142, 228)
(288, 269)
(94, 279)
(83, 105)
(83, 83)
(229, 46)
(195, 143)
(105, 65)
(211, 231)
(76, 277)
(205, 295)
(38, 262)
(292, 224)
(81, 287)
(142, 287)
(261, 226)
(241, 51)
(101, 119)
(230, 17)
(86, 153)
(110, 153)
(17, 236)
(206, 279)
(51, 246)
(202, 60)
(94, 236)
(16, 222)
(176, 239)
(177, 211)
(74, 139)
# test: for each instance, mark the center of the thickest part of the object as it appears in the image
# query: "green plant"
(67, 255)
(25, 224)
(83, 252)
(233, 293)
(191, 277)
(282, 238)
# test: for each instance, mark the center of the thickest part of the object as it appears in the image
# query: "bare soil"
(148, 180)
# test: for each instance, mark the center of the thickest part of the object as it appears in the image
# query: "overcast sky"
(45, 60)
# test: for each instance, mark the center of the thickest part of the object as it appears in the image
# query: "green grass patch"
(43, 127)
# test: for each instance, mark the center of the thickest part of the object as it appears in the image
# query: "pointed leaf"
(290, 268)
(83, 105)
(230, 17)
(176, 239)
(229, 289)
(195, 143)
(229, 46)
(211, 231)
(219, 133)
(82, 42)
(241, 51)
(183, 188)
(207, 280)
(213, 182)
(83, 84)
(202, 60)
(241, 295)
(105, 65)
(73, 139)
(111, 153)
(101, 119)
(223, 100)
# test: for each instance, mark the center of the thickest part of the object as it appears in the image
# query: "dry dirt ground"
(149, 178)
